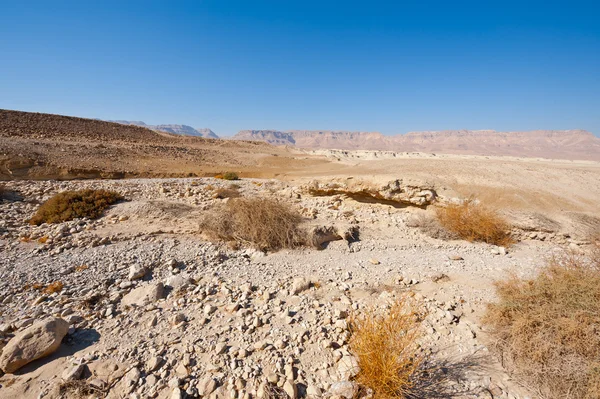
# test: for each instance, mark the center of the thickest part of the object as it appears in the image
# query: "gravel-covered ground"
(154, 310)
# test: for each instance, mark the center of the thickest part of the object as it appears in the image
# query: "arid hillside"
(38, 146)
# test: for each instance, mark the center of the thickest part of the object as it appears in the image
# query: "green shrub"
(70, 205)
(228, 176)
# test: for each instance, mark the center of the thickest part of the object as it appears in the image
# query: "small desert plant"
(548, 327)
(228, 176)
(263, 223)
(69, 205)
(78, 389)
(81, 268)
(472, 221)
(56, 286)
(385, 344)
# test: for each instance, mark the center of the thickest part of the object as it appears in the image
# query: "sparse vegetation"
(548, 327)
(81, 268)
(69, 205)
(56, 286)
(385, 344)
(472, 221)
(78, 389)
(228, 176)
(260, 222)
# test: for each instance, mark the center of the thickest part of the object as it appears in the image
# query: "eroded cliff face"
(395, 192)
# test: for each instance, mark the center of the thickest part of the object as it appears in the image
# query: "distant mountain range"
(554, 144)
(184, 130)
(566, 144)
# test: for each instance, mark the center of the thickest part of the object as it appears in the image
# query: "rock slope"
(36, 145)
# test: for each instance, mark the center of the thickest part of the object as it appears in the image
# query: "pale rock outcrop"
(319, 235)
(398, 191)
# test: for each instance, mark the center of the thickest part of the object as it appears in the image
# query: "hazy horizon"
(229, 66)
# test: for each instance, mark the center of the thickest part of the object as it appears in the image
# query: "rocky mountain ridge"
(184, 130)
(560, 144)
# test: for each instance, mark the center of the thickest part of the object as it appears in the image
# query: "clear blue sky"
(392, 66)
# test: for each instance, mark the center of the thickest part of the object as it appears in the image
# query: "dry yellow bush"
(548, 327)
(385, 345)
(260, 222)
(56, 286)
(81, 268)
(70, 205)
(472, 221)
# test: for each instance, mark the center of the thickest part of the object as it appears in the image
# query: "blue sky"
(229, 65)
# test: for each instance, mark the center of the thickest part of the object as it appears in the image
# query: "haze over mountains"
(562, 144)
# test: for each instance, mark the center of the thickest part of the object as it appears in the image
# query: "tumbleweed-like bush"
(70, 205)
(385, 344)
(260, 222)
(548, 327)
(472, 221)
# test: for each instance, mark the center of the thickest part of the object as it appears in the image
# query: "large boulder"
(143, 296)
(35, 342)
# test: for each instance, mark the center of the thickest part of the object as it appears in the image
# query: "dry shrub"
(70, 205)
(228, 176)
(78, 389)
(548, 328)
(222, 193)
(431, 227)
(260, 222)
(472, 221)
(43, 240)
(56, 286)
(385, 345)
(81, 268)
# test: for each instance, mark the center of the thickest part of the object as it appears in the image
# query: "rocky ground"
(152, 309)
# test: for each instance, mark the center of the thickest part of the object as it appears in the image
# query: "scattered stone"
(143, 296)
(137, 271)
